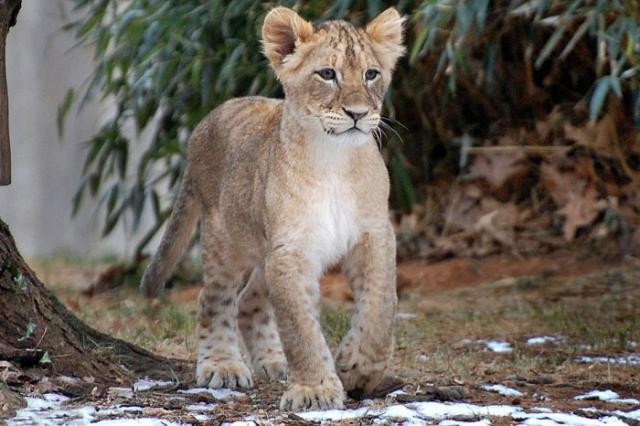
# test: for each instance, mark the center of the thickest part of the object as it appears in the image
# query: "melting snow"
(425, 413)
(138, 422)
(608, 396)
(629, 414)
(498, 346)
(534, 341)
(200, 407)
(49, 410)
(621, 360)
(422, 357)
(146, 384)
(551, 419)
(48, 400)
(45, 410)
(219, 394)
(118, 410)
(502, 390)
(336, 415)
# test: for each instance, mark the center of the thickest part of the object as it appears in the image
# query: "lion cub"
(285, 189)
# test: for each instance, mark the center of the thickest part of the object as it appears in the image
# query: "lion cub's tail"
(185, 215)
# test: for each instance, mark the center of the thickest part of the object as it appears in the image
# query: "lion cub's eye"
(327, 73)
(370, 74)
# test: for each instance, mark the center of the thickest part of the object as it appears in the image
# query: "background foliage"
(475, 68)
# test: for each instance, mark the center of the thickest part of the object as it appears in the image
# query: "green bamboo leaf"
(551, 44)
(616, 85)
(418, 45)
(63, 110)
(404, 189)
(76, 201)
(599, 96)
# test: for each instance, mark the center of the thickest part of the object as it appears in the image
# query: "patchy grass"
(335, 319)
(595, 314)
(442, 343)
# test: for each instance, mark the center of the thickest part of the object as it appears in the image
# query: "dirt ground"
(551, 328)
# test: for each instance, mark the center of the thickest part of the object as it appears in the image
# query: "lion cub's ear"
(282, 32)
(385, 32)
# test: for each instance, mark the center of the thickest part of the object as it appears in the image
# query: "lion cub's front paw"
(358, 372)
(223, 374)
(271, 370)
(319, 397)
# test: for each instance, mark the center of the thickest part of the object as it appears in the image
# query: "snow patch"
(39, 413)
(633, 359)
(336, 415)
(202, 406)
(118, 410)
(405, 315)
(147, 384)
(502, 390)
(137, 422)
(219, 394)
(422, 357)
(608, 396)
(498, 346)
(541, 340)
(483, 422)
(560, 419)
(635, 415)
(425, 413)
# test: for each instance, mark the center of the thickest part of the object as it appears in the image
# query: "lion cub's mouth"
(352, 130)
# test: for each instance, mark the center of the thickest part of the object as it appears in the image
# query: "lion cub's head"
(334, 75)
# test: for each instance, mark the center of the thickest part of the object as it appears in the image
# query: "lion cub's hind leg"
(258, 326)
(220, 363)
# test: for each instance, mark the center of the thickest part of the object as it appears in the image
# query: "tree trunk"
(8, 12)
(34, 323)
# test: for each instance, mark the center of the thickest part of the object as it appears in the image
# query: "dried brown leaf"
(580, 210)
(600, 138)
(497, 168)
(558, 184)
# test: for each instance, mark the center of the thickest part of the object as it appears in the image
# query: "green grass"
(335, 320)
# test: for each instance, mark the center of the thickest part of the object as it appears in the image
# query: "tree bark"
(34, 323)
(8, 13)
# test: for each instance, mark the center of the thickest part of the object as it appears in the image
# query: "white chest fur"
(332, 215)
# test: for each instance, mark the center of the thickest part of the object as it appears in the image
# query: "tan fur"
(285, 189)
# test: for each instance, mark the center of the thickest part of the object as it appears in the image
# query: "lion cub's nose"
(355, 113)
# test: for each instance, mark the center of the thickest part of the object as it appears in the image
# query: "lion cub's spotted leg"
(258, 326)
(366, 350)
(292, 283)
(220, 363)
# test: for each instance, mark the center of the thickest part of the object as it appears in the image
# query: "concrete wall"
(41, 66)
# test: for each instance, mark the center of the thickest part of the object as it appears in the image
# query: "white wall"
(41, 66)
